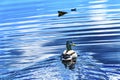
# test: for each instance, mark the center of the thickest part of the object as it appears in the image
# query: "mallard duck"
(69, 54)
(74, 9)
(61, 13)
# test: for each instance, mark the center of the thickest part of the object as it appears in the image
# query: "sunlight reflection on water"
(33, 37)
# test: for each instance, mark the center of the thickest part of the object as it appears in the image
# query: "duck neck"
(68, 47)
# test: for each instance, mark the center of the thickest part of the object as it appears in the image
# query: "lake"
(33, 37)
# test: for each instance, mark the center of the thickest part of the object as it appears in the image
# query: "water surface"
(32, 38)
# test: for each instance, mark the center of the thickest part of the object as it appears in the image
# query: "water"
(32, 38)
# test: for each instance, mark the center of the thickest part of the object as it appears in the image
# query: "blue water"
(32, 38)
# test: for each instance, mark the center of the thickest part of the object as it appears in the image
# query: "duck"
(73, 9)
(69, 54)
(61, 13)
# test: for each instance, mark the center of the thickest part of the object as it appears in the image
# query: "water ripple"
(32, 37)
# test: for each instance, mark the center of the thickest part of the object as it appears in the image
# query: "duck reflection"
(70, 64)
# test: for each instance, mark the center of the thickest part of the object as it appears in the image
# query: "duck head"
(69, 45)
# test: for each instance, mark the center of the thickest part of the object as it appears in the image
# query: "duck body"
(69, 55)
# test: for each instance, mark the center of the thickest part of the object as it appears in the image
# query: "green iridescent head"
(69, 45)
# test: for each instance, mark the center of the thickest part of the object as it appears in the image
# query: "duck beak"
(73, 44)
